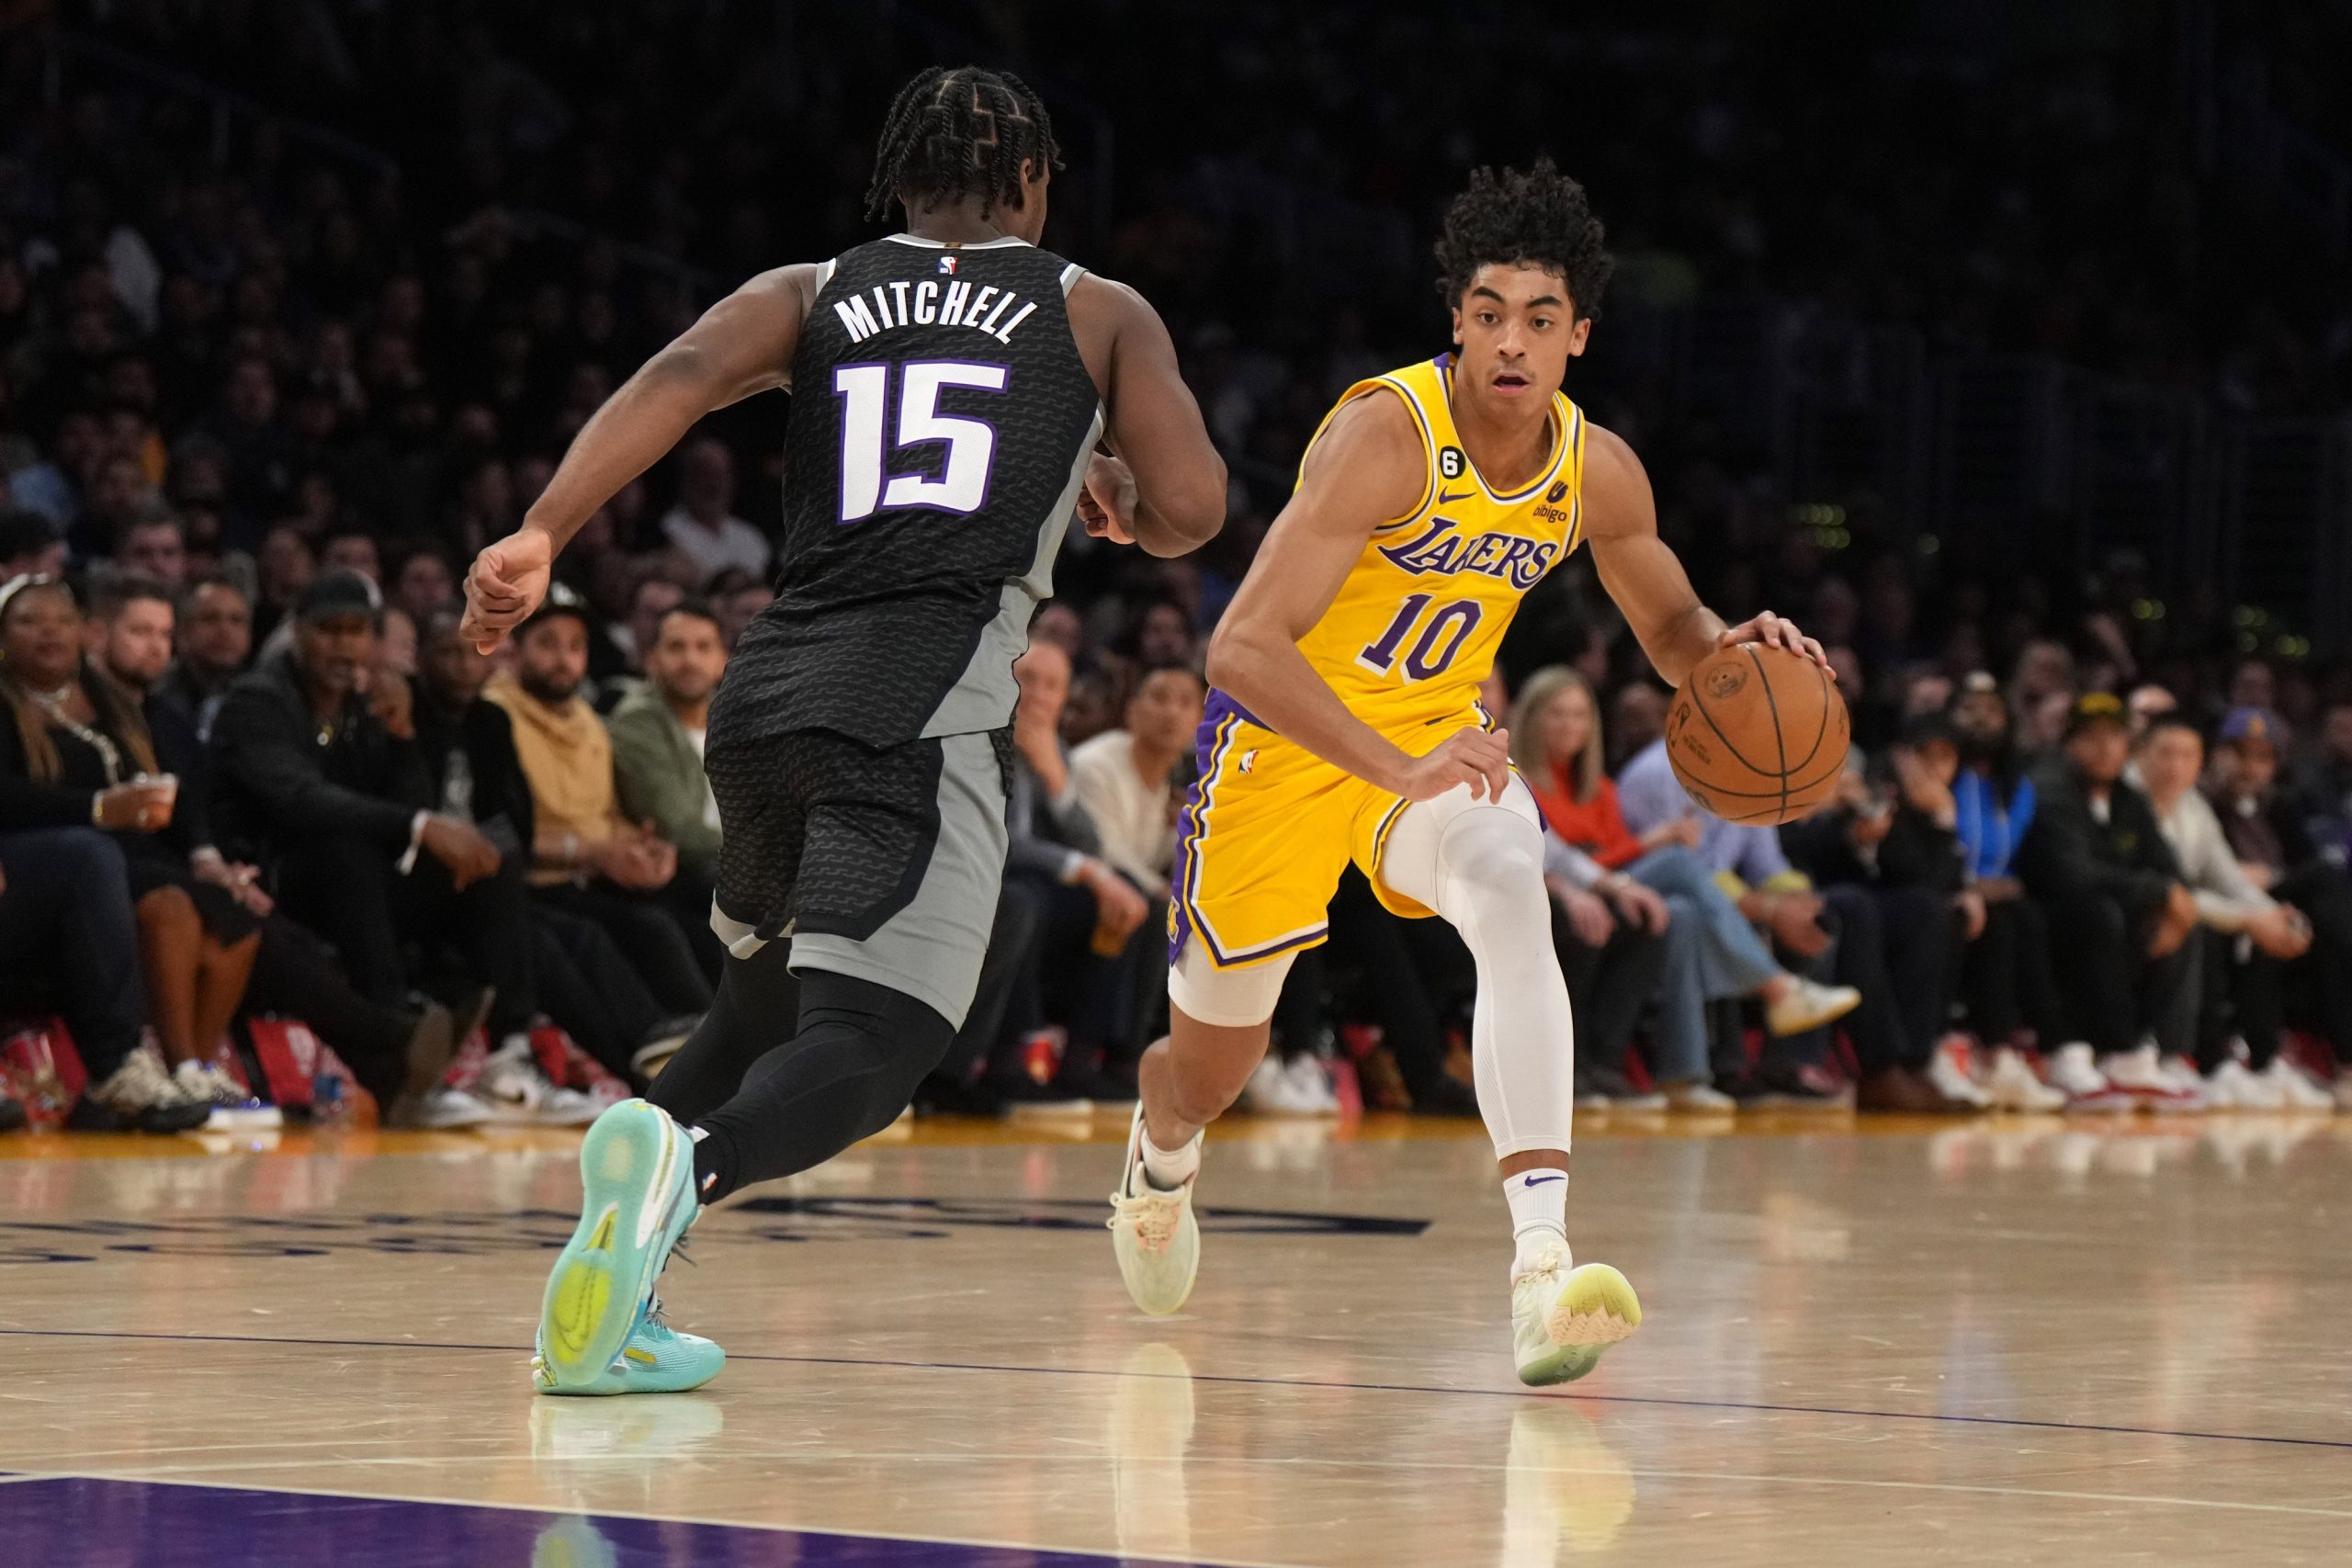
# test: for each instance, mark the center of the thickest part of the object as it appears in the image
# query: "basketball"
(1757, 734)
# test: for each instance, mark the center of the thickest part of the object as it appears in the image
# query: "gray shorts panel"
(932, 948)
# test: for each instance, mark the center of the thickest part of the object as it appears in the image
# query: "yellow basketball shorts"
(1268, 831)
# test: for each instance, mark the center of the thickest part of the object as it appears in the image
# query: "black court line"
(1632, 1399)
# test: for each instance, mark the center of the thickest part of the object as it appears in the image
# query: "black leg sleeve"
(853, 1066)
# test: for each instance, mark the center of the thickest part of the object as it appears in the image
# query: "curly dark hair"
(960, 133)
(1511, 216)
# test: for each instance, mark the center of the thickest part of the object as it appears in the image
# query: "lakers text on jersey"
(1407, 643)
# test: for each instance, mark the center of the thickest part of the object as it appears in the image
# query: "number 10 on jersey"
(1441, 638)
(865, 391)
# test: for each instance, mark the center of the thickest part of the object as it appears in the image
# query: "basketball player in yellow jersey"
(1345, 724)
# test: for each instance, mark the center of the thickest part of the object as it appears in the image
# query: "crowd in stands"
(257, 411)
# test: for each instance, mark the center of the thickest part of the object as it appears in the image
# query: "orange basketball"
(1757, 734)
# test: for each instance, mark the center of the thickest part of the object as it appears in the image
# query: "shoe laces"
(1155, 1215)
(1546, 1264)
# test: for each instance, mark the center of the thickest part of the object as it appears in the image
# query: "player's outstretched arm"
(1646, 578)
(741, 346)
(1165, 488)
(1366, 469)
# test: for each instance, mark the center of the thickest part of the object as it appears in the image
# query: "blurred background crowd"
(2008, 353)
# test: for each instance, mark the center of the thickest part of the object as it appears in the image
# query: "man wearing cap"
(587, 860)
(2273, 844)
(2099, 862)
(314, 785)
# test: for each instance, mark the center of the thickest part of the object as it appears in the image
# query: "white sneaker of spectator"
(2073, 1072)
(2234, 1086)
(445, 1110)
(2151, 1080)
(1805, 1004)
(1271, 1091)
(1312, 1080)
(2294, 1087)
(2011, 1084)
(1698, 1097)
(1952, 1070)
(516, 1090)
(234, 1108)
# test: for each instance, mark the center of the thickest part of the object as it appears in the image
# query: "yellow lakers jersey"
(1413, 631)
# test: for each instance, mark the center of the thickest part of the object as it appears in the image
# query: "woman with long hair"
(75, 751)
(1713, 954)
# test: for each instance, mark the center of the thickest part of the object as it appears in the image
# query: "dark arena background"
(2005, 348)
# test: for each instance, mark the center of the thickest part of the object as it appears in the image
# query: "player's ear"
(1457, 323)
(1577, 335)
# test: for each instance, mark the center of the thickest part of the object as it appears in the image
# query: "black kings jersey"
(940, 427)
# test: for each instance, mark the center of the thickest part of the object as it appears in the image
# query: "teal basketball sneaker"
(637, 1177)
(654, 1358)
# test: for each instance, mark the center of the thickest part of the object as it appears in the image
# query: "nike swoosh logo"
(1540, 1180)
(1447, 498)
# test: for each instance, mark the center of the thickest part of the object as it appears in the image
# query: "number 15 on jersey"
(865, 393)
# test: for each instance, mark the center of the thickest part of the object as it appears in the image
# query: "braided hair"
(1536, 215)
(959, 133)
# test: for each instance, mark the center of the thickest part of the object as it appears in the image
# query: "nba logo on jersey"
(947, 266)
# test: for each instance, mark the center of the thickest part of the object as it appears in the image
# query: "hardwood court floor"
(1996, 1342)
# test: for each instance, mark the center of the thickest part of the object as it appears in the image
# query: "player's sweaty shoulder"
(1368, 468)
(1617, 500)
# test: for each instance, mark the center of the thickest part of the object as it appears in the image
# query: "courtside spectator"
(214, 635)
(78, 752)
(313, 785)
(584, 982)
(2241, 985)
(2274, 846)
(702, 529)
(393, 1051)
(588, 860)
(659, 733)
(69, 943)
(1127, 776)
(2097, 861)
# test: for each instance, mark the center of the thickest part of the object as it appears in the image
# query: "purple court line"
(1258, 1382)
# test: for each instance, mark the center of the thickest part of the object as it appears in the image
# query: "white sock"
(1167, 1170)
(1539, 1213)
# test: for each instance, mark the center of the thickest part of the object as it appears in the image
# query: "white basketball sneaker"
(2012, 1086)
(2075, 1072)
(2234, 1086)
(1563, 1317)
(2294, 1088)
(1950, 1069)
(516, 1090)
(1154, 1233)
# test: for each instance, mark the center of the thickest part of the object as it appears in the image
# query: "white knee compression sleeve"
(1480, 865)
(1230, 999)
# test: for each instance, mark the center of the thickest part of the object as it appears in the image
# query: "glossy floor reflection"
(2017, 1342)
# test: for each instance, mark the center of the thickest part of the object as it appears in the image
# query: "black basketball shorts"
(884, 862)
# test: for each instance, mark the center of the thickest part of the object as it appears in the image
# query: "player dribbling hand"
(1776, 631)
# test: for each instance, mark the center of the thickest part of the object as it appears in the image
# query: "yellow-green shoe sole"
(631, 1161)
(1597, 1308)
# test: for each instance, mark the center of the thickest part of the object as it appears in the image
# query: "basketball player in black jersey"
(953, 386)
